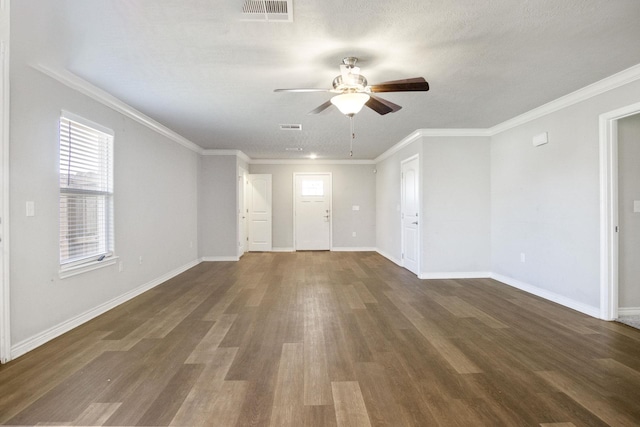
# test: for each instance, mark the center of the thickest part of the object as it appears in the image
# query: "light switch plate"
(31, 208)
(636, 206)
(356, 207)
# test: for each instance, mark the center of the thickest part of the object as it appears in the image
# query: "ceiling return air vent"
(291, 127)
(267, 10)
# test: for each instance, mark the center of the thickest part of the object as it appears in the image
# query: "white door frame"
(242, 211)
(295, 174)
(402, 162)
(609, 209)
(5, 306)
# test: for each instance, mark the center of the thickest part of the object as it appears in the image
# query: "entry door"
(259, 201)
(312, 211)
(410, 207)
(242, 211)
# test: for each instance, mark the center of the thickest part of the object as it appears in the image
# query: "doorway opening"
(610, 211)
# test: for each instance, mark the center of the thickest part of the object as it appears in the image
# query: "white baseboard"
(548, 295)
(628, 311)
(219, 258)
(456, 275)
(352, 249)
(389, 257)
(282, 250)
(37, 340)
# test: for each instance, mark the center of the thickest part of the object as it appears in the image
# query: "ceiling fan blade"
(301, 90)
(320, 108)
(407, 85)
(381, 106)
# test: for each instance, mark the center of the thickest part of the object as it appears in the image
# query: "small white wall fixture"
(609, 209)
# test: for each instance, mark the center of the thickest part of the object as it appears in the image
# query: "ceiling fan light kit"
(350, 104)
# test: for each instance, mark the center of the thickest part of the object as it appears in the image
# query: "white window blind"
(86, 192)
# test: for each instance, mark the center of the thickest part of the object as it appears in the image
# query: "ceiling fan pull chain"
(353, 136)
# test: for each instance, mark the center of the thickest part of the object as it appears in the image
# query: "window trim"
(93, 262)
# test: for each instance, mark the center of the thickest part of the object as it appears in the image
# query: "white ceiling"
(195, 67)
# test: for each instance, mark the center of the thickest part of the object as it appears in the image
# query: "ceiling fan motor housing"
(354, 83)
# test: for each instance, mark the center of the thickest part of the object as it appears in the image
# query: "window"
(86, 191)
(312, 188)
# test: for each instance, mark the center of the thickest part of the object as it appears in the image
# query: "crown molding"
(77, 83)
(454, 132)
(310, 162)
(412, 137)
(608, 83)
(416, 135)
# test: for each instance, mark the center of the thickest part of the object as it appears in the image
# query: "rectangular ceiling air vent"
(291, 127)
(293, 149)
(267, 10)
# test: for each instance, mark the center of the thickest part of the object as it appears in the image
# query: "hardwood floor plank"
(595, 403)
(349, 404)
(288, 402)
(96, 414)
(317, 386)
(228, 405)
(198, 407)
(209, 344)
(169, 401)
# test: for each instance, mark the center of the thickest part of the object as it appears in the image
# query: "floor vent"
(290, 127)
(268, 10)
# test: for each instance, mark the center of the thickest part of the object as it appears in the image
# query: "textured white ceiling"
(195, 67)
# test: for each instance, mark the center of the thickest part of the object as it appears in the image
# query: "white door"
(242, 212)
(410, 208)
(312, 211)
(259, 205)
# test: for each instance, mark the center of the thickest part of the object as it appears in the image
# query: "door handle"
(415, 223)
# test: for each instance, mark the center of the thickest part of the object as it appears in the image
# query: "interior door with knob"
(259, 216)
(312, 211)
(410, 207)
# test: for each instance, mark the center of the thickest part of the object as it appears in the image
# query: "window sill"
(83, 268)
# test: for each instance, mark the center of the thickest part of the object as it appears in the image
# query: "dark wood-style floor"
(329, 338)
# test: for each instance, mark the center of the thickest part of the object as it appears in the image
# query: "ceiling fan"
(354, 91)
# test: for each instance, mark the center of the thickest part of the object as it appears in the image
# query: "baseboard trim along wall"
(456, 275)
(629, 311)
(548, 295)
(348, 249)
(219, 258)
(37, 340)
(389, 257)
(282, 250)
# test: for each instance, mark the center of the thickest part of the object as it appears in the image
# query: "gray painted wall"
(217, 198)
(352, 185)
(629, 221)
(456, 205)
(545, 200)
(155, 205)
